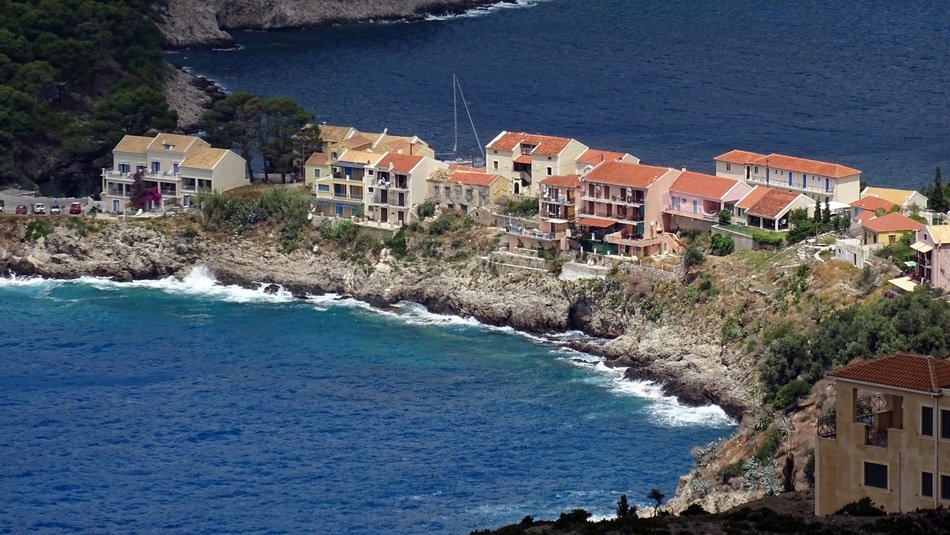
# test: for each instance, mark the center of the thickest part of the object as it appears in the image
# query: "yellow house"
(889, 437)
(340, 191)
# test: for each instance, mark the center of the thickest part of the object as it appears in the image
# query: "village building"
(396, 185)
(591, 157)
(869, 207)
(818, 180)
(466, 188)
(933, 256)
(177, 166)
(696, 199)
(528, 158)
(887, 229)
(909, 201)
(340, 192)
(621, 208)
(888, 437)
(768, 208)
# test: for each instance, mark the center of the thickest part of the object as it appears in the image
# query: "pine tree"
(657, 498)
(936, 196)
(817, 215)
(826, 216)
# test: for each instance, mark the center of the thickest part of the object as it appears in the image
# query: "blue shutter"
(827, 184)
(789, 178)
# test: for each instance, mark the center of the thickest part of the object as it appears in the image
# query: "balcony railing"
(867, 407)
(780, 184)
(699, 214)
(559, 200)
(613, 199)
(622, 238)
(828, 427)
(533, 233)
(875, 436)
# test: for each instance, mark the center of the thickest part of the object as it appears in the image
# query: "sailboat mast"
(470, 121)
(455, 115)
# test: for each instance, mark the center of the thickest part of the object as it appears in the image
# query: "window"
(944, 487)
(875, 475)
(549, 171)
(944, 423)
(323, 187)
(175, 168)
(333, 155)
(757, 169)
(125, 168)
(927, 484)
(316, 173)
(927, 421)
(369, 172)
(156, 167)
(494, 164)
(728, 167)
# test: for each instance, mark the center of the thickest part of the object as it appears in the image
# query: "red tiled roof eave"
(907, 371)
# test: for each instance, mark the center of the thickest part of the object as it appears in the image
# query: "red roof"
(752, 197)
(317, 158)
(773, 203)
(356, 141)
(873, 204)
(594, 222)
(900, 370)
(626, 174)
(893, 222)
(401, 163)
(562, 181)
(472, 179)
(701, 185)
(802, 165)
(545, 145)
(522, 158)
(594, 156)
(741, 157)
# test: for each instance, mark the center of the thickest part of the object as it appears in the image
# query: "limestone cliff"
(188, 23)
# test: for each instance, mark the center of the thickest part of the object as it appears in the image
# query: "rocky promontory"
(198, 23)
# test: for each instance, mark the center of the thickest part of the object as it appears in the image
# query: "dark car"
(75, 208)
(21, 209)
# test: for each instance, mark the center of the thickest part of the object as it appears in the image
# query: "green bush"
(397, 244)
(567, 520)
(426, 209)
(342, 233)
(37, 229)
(769, 446)
(721, 245)
(789, 394)
(767, 238)
(731, 470)
(521, 206)
(862, 507)
(809, 468)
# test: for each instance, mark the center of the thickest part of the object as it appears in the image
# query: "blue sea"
(186, 406)
(674, 82)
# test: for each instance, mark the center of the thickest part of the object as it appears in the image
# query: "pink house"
(933, 255)
(695, 200)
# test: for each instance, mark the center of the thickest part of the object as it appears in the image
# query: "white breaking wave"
(200, 281)
(665, 410)
(485, 10)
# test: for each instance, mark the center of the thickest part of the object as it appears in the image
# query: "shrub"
(769, 446)
(767, 238)
(290, 237)
(521, 206)
(692, 256)
(725, 217)
(721, 245)
(397, 244)
(566, 520)
(789, 393)
(444, 223)
(862, 507)
(38, 229)
(341, 233)
(809, 468)
(694, 510)
(731, 470)
(426, 209)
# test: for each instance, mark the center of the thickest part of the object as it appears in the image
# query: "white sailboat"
(456, 159)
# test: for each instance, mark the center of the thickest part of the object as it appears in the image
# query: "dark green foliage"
(397, 244)
(769, 446)
(448, 222)
(721, 245)
(788, 473)
(426, 209)
(864, 282)
(341, 232)
(862, 507)
(899, 251)
(278, 206)
(692, 257)
(694, 510)
(731, 470)
(657, 498)
(521, 206)
(809, 468)
(75, 75)
(623, 508)
(789, 394)
(936, 193)
(37, 229)
(567, 520)
(725, 217)
(767, 238)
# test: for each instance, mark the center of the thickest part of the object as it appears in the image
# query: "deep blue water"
(185, 407)
(676, 82)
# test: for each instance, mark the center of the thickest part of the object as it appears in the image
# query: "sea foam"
(485, 10)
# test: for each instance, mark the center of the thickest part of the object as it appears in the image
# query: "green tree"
(817, 215)
(936, 196)
(692, 257)
(281, 119)
(233, 122)
(623, 508)
(134, 110)
(826, 214)
(725, 217)
(657, 498)
(721, 245)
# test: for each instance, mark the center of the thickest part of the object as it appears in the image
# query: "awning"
(910, 263)
(904, 283)
(595, 222)
(921, 246)
(522, 158)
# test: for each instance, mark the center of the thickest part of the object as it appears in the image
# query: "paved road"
(13, 197)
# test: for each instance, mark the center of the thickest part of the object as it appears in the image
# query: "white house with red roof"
(768, 208)
(466, 188)
(621, 204)
(396, 184)
(815, 179)
(527, 158)
(887, 437)
(695, 200)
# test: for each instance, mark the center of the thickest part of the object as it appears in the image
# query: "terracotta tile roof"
(893, 222)
(356, 141)
(594, 156)
(546, 145)
(900, 370)
(940, 234)
(472, 179)
(133, 144)
(802, 165)
(358, 157)
(470, 169)
(873, 204)
(896, 196)
(317, 158)
(752, 197)
(401, 164)
(562, 181)
(740, 157)
(522, 158)
(773, 203)
(179, 142)
(594, 222)
(203, 158)
(702, 185)
(626, 174)
(333, 134)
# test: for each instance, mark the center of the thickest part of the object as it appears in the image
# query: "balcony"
(533, 233)
(778, 183)
(867, 407)
(112, 174)
(875, 436)
(628, 238)
(557, 200)
(622, 200)
(828, 427)
(699, 214)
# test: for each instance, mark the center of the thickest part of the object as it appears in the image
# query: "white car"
(39, 208)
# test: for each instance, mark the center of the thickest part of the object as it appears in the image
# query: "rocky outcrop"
(190, 23)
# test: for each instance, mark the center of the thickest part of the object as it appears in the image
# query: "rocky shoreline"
(201, 24)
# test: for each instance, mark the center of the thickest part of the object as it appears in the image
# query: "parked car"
(54, 208)
(75, 208)
(21, 209)
(39, 208)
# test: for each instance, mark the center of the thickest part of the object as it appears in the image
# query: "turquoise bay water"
(185, 406)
